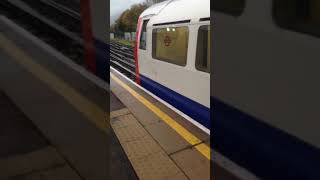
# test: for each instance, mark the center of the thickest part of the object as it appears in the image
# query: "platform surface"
(25, 152)
(65, 105)
(156, 147)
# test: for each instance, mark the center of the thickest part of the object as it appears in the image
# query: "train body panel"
(276, 68)
(154, 10)
(266, 96)
(182, 83)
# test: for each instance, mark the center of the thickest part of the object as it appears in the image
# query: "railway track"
(57, 13)
(58, 29)
(64, 7)
(122, 59)
(71, 4)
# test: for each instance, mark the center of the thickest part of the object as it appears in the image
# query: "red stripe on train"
(136, 52)
(89, 50)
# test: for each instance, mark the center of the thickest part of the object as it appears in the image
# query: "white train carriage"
(173, 55)
(266, 96)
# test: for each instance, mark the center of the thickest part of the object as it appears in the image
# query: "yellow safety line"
(188, 136)
(94, 113)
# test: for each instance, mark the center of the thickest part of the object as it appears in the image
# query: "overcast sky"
(118, 6)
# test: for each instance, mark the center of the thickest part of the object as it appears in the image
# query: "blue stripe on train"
(262, 149)
(193, 109)
(102, 59)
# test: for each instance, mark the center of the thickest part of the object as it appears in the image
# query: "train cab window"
(170, 44)
(298, 15)
(232, 7)
(143, 36)
(203, 49)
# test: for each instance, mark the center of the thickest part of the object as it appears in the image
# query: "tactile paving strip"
(141, 148)
(131, 134)
(155, 166)
(145, 155)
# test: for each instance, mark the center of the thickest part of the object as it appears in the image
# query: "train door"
(142, 55)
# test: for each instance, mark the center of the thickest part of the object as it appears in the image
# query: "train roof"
(177, 10)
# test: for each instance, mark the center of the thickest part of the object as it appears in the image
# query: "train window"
(298, 15)
(232, 7)
(170, 44)
(143, 36)
(203, 49)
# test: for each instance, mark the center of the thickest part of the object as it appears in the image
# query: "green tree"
(127, 22)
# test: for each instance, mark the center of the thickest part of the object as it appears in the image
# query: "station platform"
(159, 142)
(65, 110)
(25, 152)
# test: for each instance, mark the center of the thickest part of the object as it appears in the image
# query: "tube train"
(172, 55)
(266, 86)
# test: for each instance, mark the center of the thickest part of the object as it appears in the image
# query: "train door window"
(170, 44)
(298, 15)
(203, 49)
(143, 36)
(232, 7)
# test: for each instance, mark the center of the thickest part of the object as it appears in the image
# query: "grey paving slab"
(115, 103)
(120, 112)
(134, 138)
(179, 176)
(54, 173)
(124, 121)
(168, 139)
(119, 160)
(17, 133)
(142, 113)
(193, 164)
(125, 96)
(156, 166)
(120, 167)
(131, 133)
(37, 160)
(24, 149)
